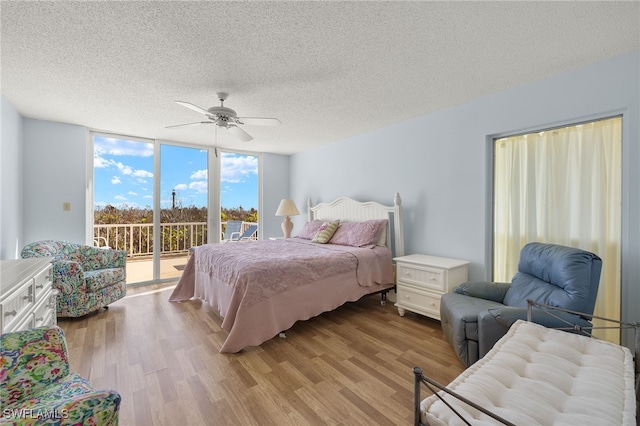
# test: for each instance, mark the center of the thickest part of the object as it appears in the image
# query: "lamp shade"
(287, 208)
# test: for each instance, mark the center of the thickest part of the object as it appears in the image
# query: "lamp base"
(287, 227)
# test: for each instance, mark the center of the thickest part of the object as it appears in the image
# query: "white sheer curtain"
(562, 186)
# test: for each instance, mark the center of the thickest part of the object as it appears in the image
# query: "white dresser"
(421, 280)
(27, 298)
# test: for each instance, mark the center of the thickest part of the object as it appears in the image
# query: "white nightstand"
(421, 280)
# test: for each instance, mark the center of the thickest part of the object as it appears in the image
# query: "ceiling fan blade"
(189, 124)
(260, 121)
(193, 107)
(239, 133)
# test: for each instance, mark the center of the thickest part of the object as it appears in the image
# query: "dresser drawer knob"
(26, 298)
(39, 285)
(39, 319)
(11, 313)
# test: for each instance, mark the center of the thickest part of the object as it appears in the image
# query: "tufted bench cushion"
(539, 376)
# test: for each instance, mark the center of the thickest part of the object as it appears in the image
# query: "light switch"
(66, 206)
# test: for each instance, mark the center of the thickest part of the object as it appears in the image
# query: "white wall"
(11, 239)
(54, 171)
(439, 163)
(275, 186)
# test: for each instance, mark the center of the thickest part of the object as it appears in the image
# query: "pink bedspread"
(261, 288)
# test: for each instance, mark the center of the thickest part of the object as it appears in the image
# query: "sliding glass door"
(154, 200)
(183, 205)
(123, 193)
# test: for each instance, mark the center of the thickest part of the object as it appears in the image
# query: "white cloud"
(142, 173)
(199, 174)
(199, 186)
(132, 193)
(124, 169)
(113, 146)
(115, 180)
(236, 168)
(120, 198)
(148, 196)
(99, 162)
(180, 187)
(117, 147)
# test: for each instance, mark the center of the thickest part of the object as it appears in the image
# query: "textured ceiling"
(327, 70)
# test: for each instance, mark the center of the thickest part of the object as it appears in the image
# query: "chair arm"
(31, 360)
(483, 289)
(508, 315)
(94, 258)
(99, 407)
(74, 405)
(490, 330)
(68, 276)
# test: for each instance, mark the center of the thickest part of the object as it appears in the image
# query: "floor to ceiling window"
(123, 191)
(183, 211)
(239, 190)
(153, 200)
(562, 186)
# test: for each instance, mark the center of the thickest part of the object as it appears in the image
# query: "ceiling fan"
(225, 117)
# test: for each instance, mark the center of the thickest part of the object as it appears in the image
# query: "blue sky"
(123, 175)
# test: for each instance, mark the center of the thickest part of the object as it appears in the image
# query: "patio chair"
(246, 235)
(232, 231)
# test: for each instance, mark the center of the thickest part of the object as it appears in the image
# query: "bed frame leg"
(383, 300)
(417, 374)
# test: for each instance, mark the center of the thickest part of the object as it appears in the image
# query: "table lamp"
(287, 208)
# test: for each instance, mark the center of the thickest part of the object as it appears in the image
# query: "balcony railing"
(137, 238)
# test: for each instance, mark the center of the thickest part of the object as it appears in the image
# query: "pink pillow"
(359, 234)
(309, 229)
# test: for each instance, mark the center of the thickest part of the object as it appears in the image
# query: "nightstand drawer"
(421, 280)
(418, 301)
(421, 276)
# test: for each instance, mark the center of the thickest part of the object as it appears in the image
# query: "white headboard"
(349, 210)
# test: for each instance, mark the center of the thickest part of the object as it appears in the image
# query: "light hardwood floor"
(347, 367)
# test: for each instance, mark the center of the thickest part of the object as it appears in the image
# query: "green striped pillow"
(325, 232)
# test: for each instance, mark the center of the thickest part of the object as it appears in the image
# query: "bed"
(539, 376)
(261, 288)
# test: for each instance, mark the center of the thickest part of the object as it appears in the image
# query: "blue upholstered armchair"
(87, 278)
(477, 314)
(37, 388)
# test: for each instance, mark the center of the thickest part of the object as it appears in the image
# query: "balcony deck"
(136, 240)
(141, 270)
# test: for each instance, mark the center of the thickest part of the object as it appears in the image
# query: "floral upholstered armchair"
(87, 278)
(37, 387)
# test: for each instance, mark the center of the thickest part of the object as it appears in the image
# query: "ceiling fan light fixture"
(226, 117)
(220, 110)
